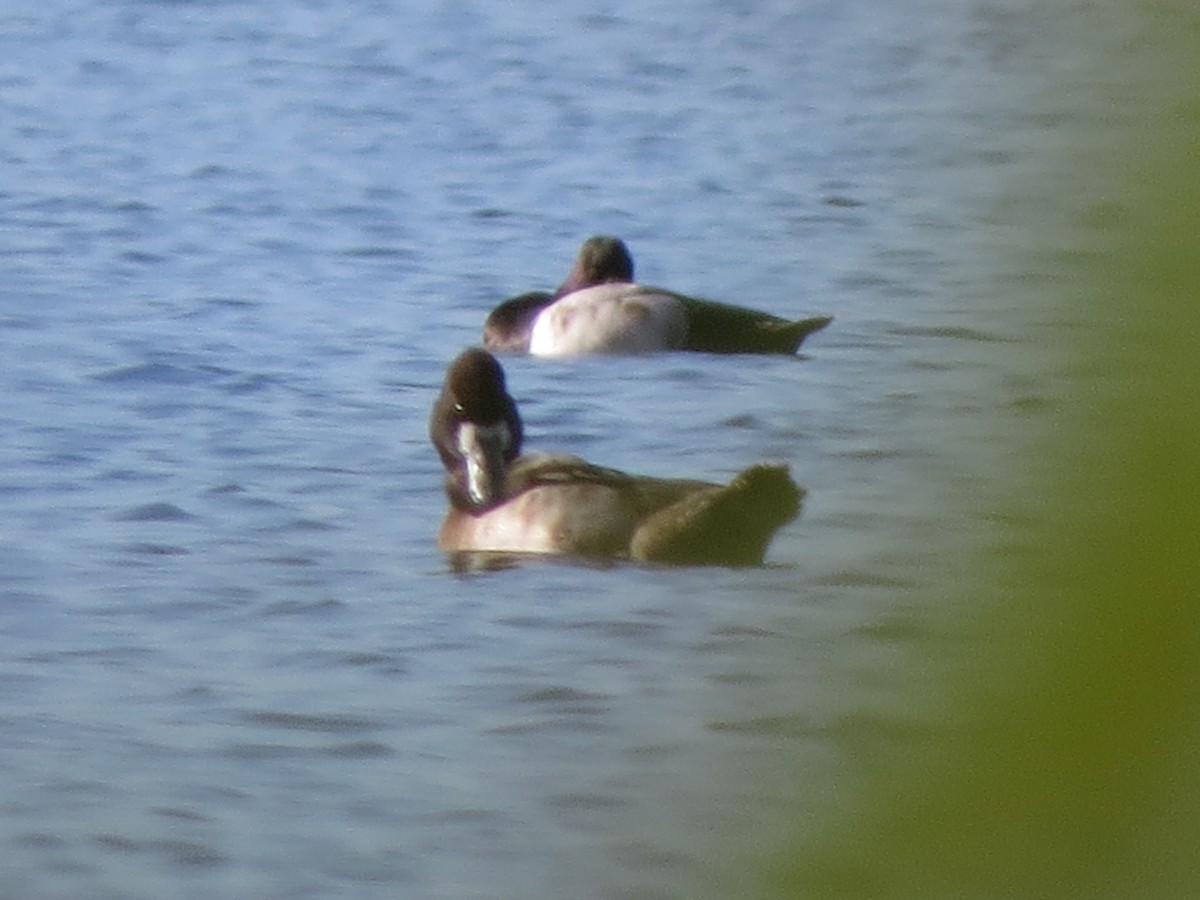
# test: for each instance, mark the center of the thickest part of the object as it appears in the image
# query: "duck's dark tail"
(792, 334)
(722, 328)
(728, 526)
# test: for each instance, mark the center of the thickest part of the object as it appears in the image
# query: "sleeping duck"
(503, 501)
(599, 308)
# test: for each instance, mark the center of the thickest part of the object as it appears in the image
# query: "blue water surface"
(241, 241)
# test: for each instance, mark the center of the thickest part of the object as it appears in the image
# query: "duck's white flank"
(610, 318)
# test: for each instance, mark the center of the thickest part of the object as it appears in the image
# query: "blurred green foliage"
(1068, 763)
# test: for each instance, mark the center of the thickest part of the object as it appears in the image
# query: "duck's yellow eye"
(458, 407)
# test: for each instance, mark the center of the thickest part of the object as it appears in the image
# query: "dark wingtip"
(730, 527)
(723, 328)
(770, 491)
(802, 328)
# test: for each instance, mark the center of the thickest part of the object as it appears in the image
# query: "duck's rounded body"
(610, 318)
(599, 308)
(556, 504)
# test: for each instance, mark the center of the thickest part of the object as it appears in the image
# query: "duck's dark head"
(476, 429)
(600, 259)
(508, 326)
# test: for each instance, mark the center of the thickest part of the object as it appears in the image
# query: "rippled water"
(240, 243)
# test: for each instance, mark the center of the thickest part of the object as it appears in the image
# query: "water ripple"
(234, 272)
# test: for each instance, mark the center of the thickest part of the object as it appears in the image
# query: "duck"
(600, 309)
(505, 501)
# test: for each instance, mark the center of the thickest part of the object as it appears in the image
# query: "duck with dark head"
(599, 308)
(503, 501)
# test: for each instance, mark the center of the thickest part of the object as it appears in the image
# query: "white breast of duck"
(618, 318)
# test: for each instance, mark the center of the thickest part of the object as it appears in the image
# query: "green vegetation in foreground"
(1068, 766)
